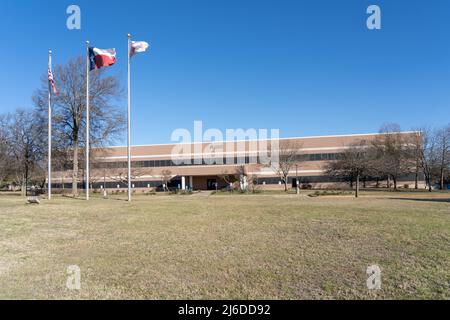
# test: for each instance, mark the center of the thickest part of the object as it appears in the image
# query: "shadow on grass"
(116, 199)
(65, 196)
(402, 190)
(82, 198)
(424, 199)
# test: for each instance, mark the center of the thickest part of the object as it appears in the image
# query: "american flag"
(52, 82)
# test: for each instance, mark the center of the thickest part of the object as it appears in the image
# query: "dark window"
(216, 161)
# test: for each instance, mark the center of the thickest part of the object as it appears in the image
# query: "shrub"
(329, 193)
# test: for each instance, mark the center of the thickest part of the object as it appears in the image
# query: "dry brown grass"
(227, 247)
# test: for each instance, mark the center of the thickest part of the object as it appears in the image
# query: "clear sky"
(307, 67)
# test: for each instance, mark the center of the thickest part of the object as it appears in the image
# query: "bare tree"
(433, 154)
(26, 146)
(253, 181)
(228, 178)
(443, 154)
(69, 109)
(166, 176)
(415, 141)
(121, 175)
(5, 150)
(392, 152)
(428, 157)
(375, 168)
(353, 163)
(243, 176)
(289, 152)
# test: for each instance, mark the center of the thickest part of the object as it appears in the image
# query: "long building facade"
(216, 165)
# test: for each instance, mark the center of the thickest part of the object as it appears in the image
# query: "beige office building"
(209, 166)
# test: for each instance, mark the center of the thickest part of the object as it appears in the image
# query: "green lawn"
(267, 246)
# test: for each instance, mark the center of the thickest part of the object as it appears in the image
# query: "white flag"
(138, 47)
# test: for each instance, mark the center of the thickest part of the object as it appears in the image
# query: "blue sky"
(305, 67)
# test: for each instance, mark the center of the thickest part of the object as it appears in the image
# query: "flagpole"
(87, 120)
(129, 122)
(49, 130)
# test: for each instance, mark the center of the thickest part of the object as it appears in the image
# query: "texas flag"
(138, 47)
(101, 58)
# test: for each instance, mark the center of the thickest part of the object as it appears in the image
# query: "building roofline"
(269, 139)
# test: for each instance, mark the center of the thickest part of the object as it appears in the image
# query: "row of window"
(319, 157)
(214, 161)
(171, 163)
